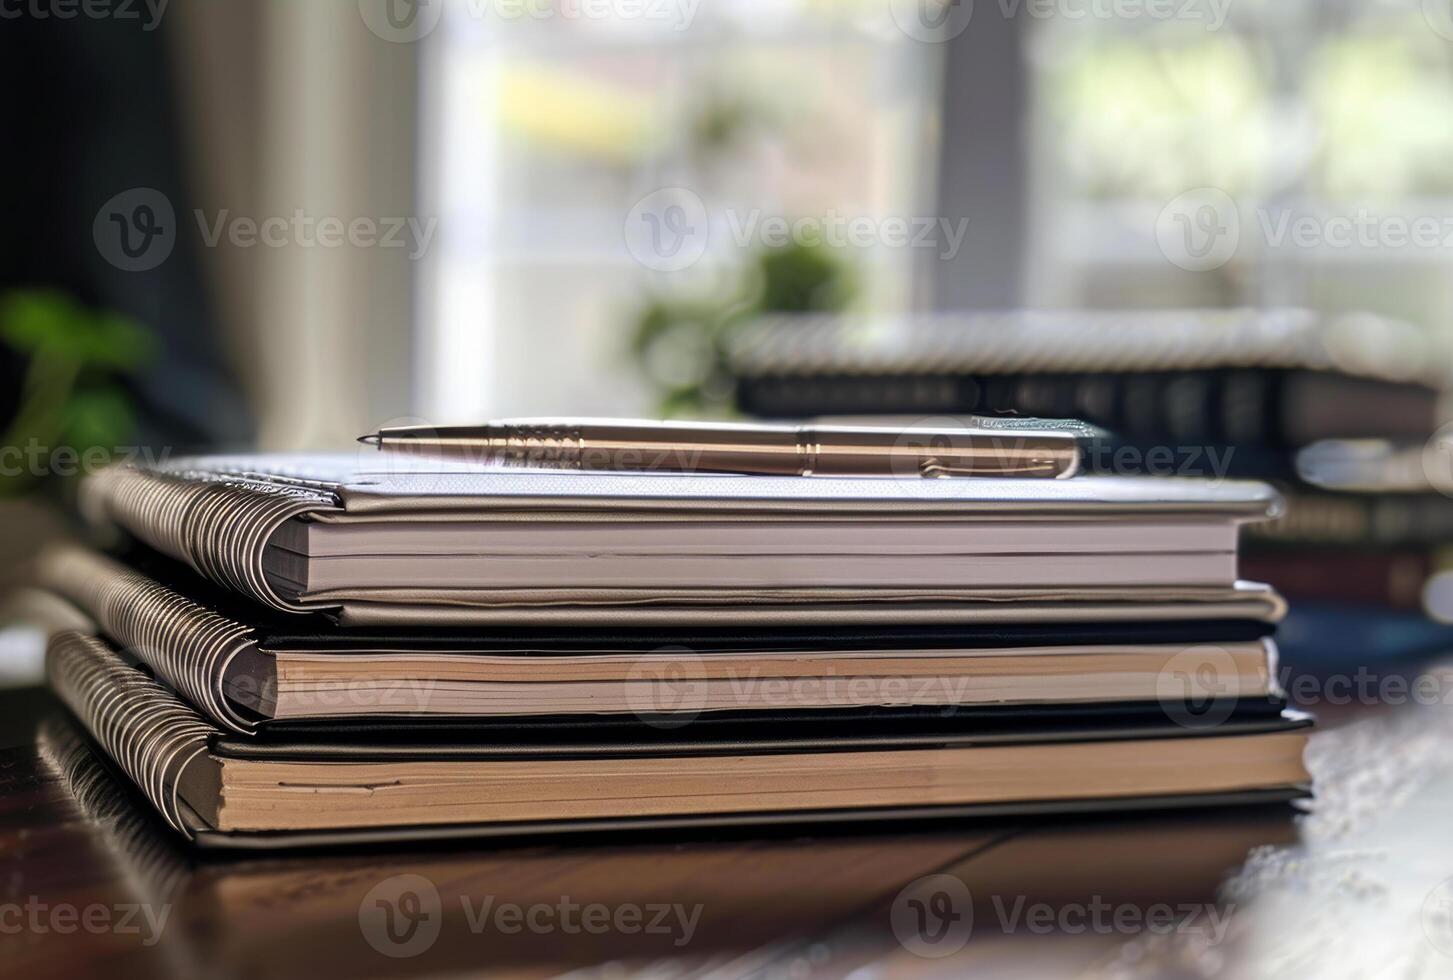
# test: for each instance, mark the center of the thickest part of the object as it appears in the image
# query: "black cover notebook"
(248, 667)
(1245, 378)
(228, 791)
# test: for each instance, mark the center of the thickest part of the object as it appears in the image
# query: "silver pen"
(717, 447)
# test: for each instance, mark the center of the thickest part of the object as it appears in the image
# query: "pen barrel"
(833, 451)
(672, 447)
(766, 449)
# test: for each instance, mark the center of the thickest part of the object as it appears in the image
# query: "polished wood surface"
(93, 885)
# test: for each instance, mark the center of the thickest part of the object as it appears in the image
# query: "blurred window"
(1325, 125)
(542, 133)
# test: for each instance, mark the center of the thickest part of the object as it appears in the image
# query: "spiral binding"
(187, 645)
(142, 726)
(218, 523)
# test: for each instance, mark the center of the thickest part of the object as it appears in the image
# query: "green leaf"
(45, 320)
(98, 417)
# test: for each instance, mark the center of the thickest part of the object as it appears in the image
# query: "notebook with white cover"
(389, 541)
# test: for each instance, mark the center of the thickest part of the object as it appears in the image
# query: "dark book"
(249, 668)
(1386, 578)
(1340, 520)
(1209, 378)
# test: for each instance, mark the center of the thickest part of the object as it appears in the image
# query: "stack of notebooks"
(302, 651)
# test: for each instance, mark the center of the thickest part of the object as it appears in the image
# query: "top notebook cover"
(219, 515)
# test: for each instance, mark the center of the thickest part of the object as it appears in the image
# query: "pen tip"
(373, 440)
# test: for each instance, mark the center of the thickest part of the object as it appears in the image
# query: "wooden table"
(93, 886)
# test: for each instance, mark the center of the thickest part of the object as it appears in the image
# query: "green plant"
(74, 361)
(681, 344)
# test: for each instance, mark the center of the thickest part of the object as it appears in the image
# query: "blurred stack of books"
(1341, 413)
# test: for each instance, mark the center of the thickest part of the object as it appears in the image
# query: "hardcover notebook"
(226, 791)
(247, 667)
(420, 542)
(1164, 378)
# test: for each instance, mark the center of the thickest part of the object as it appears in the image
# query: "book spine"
(1357, 520)
(218, 524)
(145, 729)
(185, 644)
(1211, 407)
(1394, 579)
